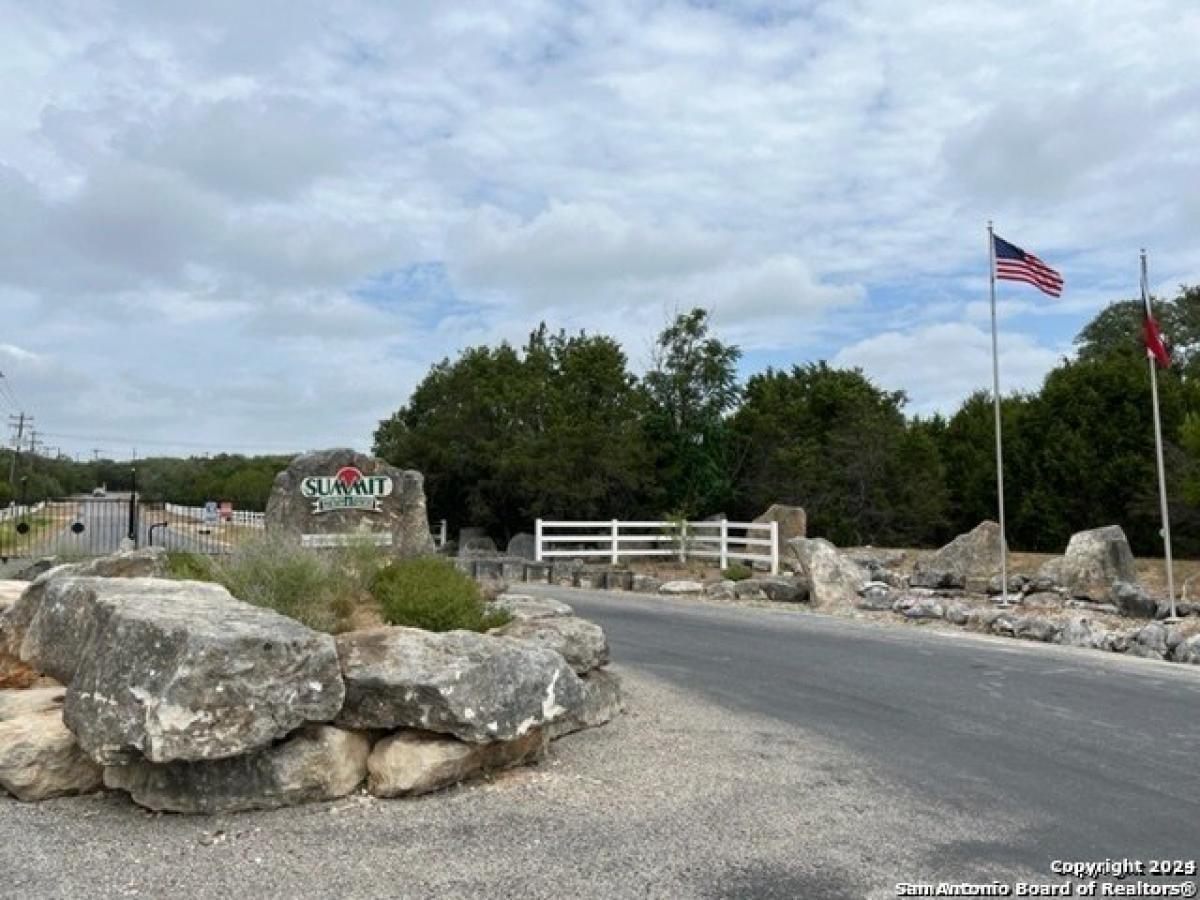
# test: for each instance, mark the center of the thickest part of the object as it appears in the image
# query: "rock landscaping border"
(192, 701)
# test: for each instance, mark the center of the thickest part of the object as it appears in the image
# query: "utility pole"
(17, 423)
(95, 454)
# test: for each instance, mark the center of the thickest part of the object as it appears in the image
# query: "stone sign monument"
(330, 497)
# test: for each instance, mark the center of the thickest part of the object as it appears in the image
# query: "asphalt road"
(763, 754)
(1102, 752)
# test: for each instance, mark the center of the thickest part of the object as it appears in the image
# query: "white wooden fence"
(615, 540)
(237, 517)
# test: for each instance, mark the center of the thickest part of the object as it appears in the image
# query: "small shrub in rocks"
(737, 572)
(431, 593)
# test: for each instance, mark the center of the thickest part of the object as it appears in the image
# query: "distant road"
(1100, 751)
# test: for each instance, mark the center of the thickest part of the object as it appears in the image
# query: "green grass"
(430, 593)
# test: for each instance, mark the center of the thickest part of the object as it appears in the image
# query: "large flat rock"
(319, 762)
(476, 687)
(177, 670)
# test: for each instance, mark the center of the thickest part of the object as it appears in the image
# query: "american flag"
(1014, 264)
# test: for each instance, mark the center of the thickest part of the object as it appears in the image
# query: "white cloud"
(219, 181)
(940, 365)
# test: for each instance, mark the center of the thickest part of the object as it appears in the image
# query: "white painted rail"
(237, 517)
(616, 540)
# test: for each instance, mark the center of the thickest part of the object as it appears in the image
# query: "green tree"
(504, 436)
(692, 388)
(830, 441)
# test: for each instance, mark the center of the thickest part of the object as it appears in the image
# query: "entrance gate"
(86, 526)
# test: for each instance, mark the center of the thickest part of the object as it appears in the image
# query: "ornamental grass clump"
(323, 589)
(430, 593)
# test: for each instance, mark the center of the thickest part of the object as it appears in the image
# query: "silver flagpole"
(996, 404)
(1158, 452)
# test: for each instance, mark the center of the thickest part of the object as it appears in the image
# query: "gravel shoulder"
(681, 797)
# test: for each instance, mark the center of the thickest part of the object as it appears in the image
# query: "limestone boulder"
(721, 590)
(35, 568)
(318, 762)
(478, 546)
(581, 643)
(416, 762)
(834, 580)
(600, 702)
(644, 584)
(793, 521)
(921, 608)
(177, 670)
(1131, 600)
(681, 588)
(147, 562)
(40, 758)
(1036, 628)
(1081, 631)
(775, 588)
(875, 596)
(524, 608)
(477, 687)
(974, 555)
(523, 545)
(1093, 561)
(340, 491)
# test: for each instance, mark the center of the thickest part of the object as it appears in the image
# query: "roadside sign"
(210, 513)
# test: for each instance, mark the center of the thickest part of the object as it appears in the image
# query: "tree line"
(561, 428)
(243, 480)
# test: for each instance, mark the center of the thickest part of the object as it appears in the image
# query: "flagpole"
(996, 406)
(1158, 452)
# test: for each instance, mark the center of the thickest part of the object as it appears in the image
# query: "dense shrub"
(430, 593)
(737, 572)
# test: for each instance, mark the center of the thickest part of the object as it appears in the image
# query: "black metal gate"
(86, 526)
(68, 527)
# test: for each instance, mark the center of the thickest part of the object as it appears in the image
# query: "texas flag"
(1156, 348)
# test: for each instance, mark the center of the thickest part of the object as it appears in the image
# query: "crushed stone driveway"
(765, 753)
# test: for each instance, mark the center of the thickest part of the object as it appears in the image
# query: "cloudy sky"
(253, 226)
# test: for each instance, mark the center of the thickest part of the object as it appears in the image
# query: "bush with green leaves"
(737, 572)
(429, 593)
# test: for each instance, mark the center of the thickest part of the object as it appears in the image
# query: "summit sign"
(348, 489)
(336, 497)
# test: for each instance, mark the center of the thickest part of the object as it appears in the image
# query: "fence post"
(616, 533)
(683, 532)
(442, 534)
(774, 548)
(724, 544)
(537, 540)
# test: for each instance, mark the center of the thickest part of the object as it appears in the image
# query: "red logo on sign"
(348, 476)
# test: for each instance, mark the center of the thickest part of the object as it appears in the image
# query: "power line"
(126, 440)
